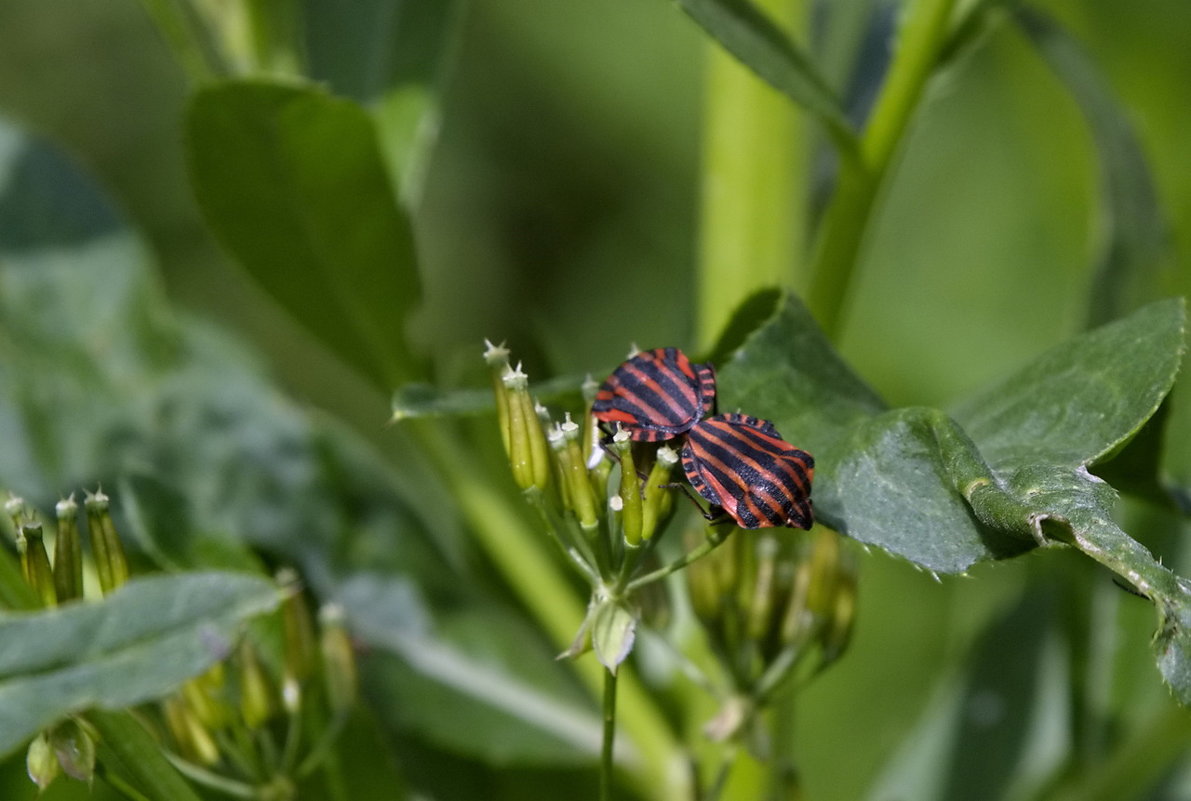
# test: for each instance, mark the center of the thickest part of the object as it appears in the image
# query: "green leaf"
(787, 371)
(413, 401)
(381, 45)
(1081, 401)
(745, 32)
(137, 644)
(906, 481)
(1136, 263)
(613, 629)
(477, 665)
(128, 748)
(915, 482)
(292, 181)
(1010, 475)
(996, 727)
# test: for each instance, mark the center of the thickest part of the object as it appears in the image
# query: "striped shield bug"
(742, 465)
(656, 395)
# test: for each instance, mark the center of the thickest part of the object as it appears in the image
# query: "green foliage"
(745, 31)
(293, 181)
(136, 645)
(308, 137)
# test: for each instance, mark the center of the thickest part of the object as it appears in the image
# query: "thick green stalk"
(515, 547)
(181, 33)
(755, 166)
(922, 34)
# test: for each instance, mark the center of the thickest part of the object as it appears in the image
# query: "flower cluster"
(775, 604)
(253, 725)
(605, 500)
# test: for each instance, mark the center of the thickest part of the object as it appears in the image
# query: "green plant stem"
(180, 32)
(609, 744)
(922, 35)
(716, 538)
(221, 784)
(503, 533)
(755, 166)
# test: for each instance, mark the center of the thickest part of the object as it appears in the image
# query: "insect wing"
(742, 464)
(656, 395)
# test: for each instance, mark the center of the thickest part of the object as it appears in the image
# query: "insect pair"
(739, 464)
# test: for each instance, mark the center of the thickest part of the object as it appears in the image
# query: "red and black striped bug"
(656, 395)
(742, 465)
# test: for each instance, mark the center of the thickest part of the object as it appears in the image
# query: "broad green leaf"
(998, 725)
(1136, 263)
(1079, 402)
(916, 483)
(745, 32)
(908, 481)
(389, 54)
(480, 666)
(101, 382)
(139, 643)
(788, 372)
(293, 182)
(381, 45)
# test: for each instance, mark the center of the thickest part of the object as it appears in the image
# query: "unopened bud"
(14, 510)
(110, 562)
(191, 737)
(68, 552)
(579, 488)
(41, 763)
(497, 357)
(658, 500)
(822, 606)
(203, 695)
(256, 700)
(38, 572)
(339, 661)
(75, 750)
(529, 455)
(301, 651)
(632, 518)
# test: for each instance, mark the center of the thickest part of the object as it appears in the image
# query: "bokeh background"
(561, 213)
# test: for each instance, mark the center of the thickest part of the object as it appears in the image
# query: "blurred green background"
(560, 212)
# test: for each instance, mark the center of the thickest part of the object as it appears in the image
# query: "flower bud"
(529, 455)
(75, 750)
(823, 602)
(339, 661)
(256, 700)
(772, 599)
(582, 497)
(300, 657)
(38, 572)
(68, 552)
(633, 515)
(497, 357)
(658, 500)
(192, 739)
(203, 695)
(41, 763)
(110, 562)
